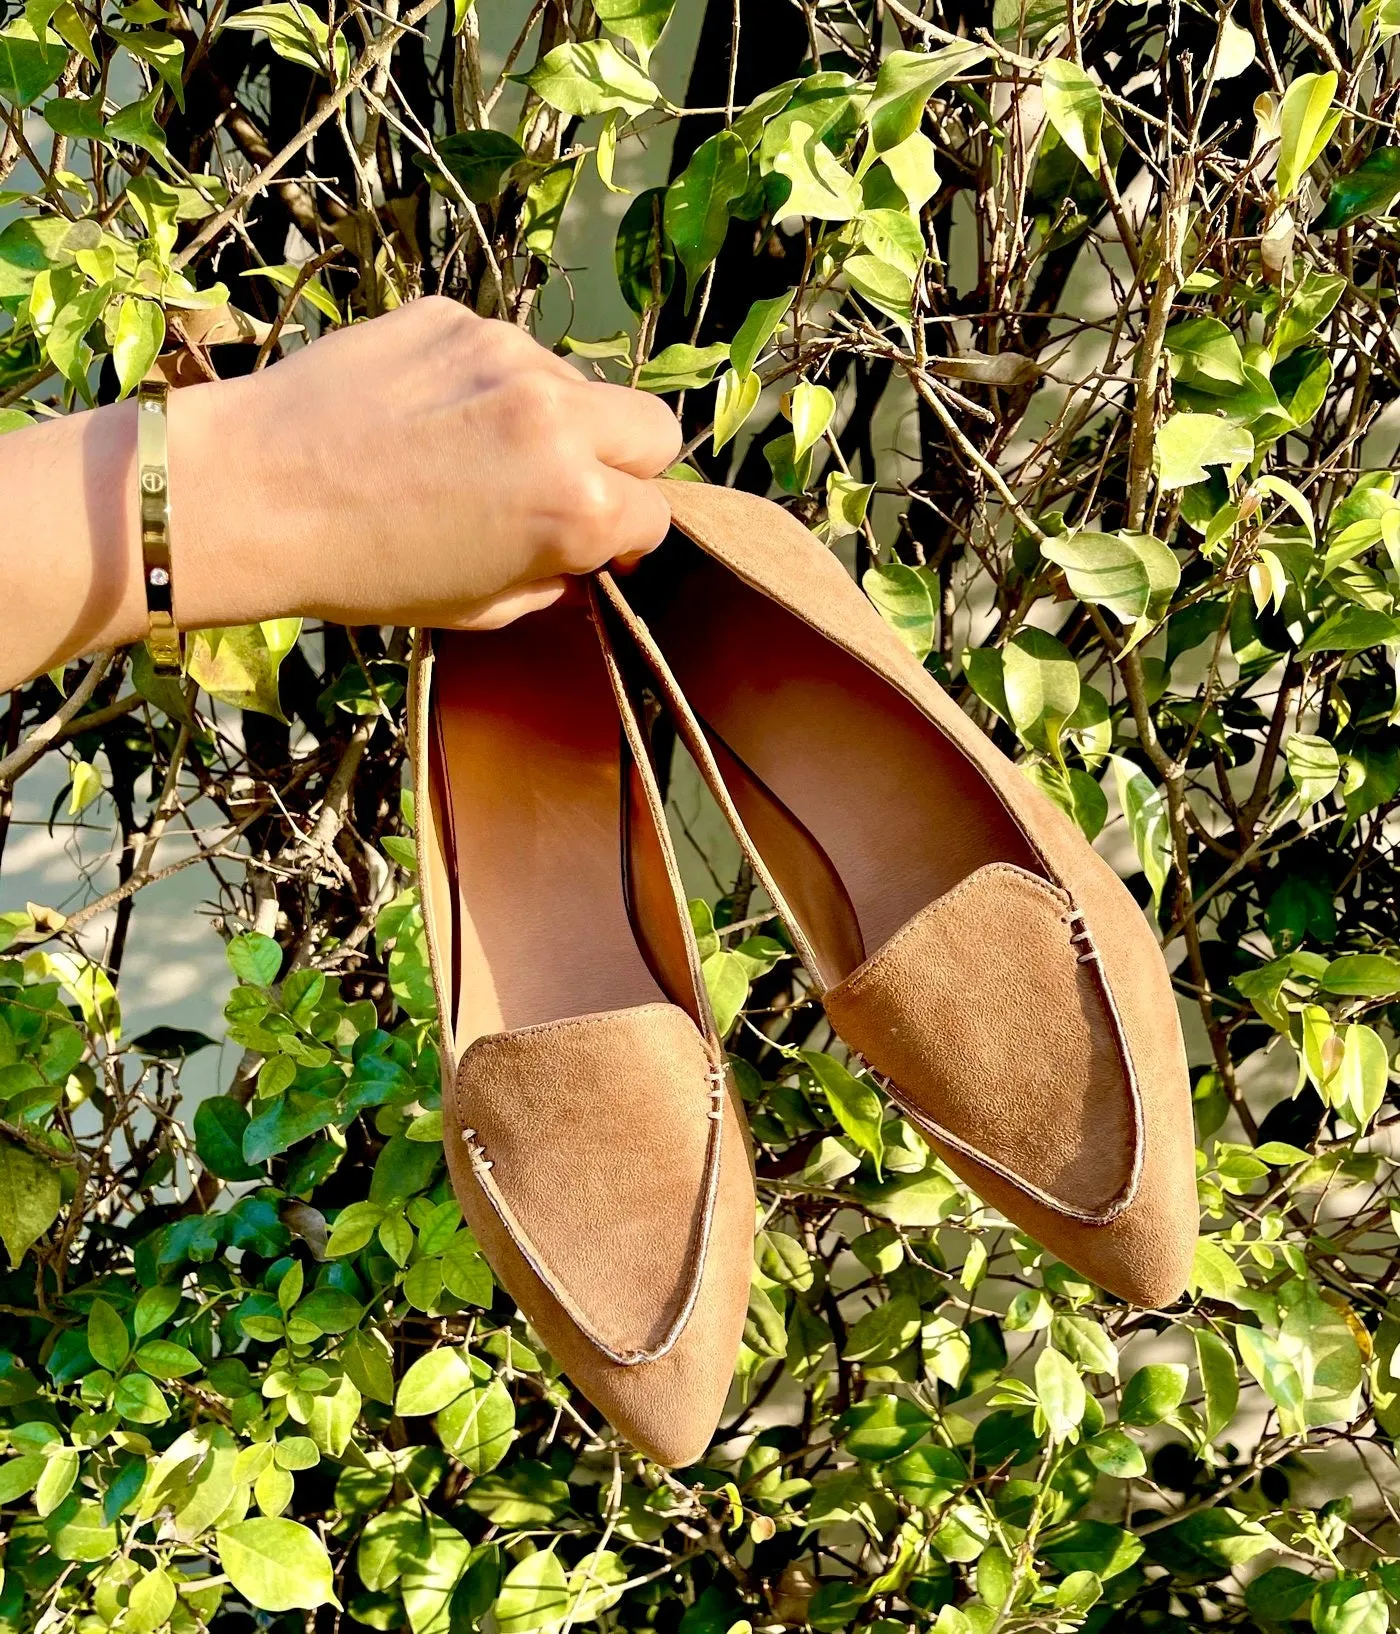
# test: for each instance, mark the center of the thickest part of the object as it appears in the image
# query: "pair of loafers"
(966, 942)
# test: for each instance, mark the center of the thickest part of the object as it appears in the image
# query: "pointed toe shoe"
(594, 1136)
(967, 941)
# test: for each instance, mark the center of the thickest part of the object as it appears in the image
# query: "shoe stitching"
(1086, 952)
(717, 1076)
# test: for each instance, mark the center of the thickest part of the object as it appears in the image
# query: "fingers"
(612, 516)
(497, 611)
(631, 430)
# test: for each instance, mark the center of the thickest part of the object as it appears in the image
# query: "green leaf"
(83, 1534)
(1152, 1393)
(643, 258)
(54, 1485)
(1113, 1453)
(479, 1426)
(680, 367)
(1093, 1546)
(297, 34)
(698, 203)
(591, 77)
(254, 958)
(639, 22)
(1188, 443)
(1085, 1342)
(367, 1363)
(239, 666)
(1041, 684)
(818, 185)
(29, 63)
(150, 1602)
(883, 1332)
(889, 289)
(276, 1565)
(904, 84)
(846, 503)
(30, 1197)
(905, 602)
(882, 1428)
(811, 410)
(1352, 629)
(735, 400)
(221, 1122)
(1074, 106)
(20, 1475)
(1362, 975)
(431, 1577)
(1366, 191)
(433, 1382)
(758, 328)
(1347, 1606)
(857, 1107)
(1213, 1272)
(1279, 1594)
(1273, 1368)
(534, 1595)
(139, 1400)
(164, 53)
(1145, 809)
(1074, 791)
(1314, 766)
(1134, 575)
(107, 1336)
(1207, 355)
(84, 786)
(1363, 1074)
(913, 169)
(1060, 1392)
(139, 336)
(892, 237)
(764, 1331)
(1220, 1381)
(390, 1539)
(477, 159)
(164, 1359)
(1306, 122)
(1307, 309)
(727, 985)
(67, 339)
(137, 125)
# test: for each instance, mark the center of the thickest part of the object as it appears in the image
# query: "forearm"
(70, 544)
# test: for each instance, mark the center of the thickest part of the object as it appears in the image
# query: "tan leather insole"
(527, 766)
(896, 807)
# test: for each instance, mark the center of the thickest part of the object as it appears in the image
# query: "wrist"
(233, 561)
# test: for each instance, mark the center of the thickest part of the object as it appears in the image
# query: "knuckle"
(534, 396)
(591, 504)
(442, 311)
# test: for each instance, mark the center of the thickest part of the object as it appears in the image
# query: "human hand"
(429, 467)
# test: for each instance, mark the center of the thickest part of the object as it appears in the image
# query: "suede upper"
(598, 1132)
(982, 1001)
(602, 1160)
(1058, 1088)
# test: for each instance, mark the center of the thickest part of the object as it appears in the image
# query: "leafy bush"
(1074, 337)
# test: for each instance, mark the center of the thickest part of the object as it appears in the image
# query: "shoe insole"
(527, 767)
(900, 812)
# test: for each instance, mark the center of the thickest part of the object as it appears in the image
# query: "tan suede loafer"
(966, 939)
(593, 1133)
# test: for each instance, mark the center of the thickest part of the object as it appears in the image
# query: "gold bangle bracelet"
(153, 476)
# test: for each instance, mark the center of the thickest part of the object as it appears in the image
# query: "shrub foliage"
(1072, 331)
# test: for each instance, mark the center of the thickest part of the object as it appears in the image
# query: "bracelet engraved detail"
(153, 477)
